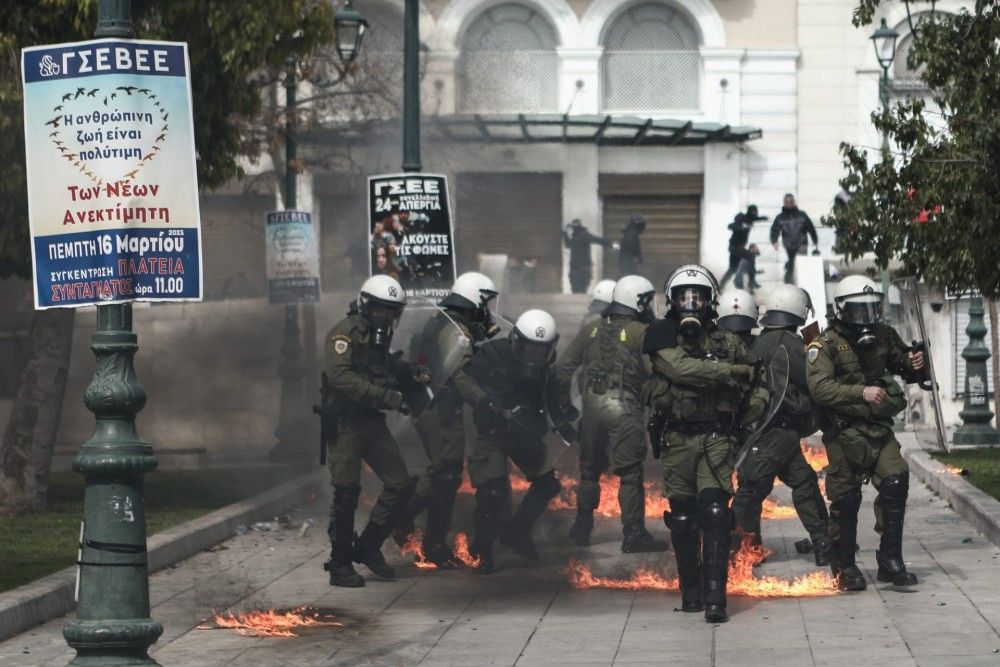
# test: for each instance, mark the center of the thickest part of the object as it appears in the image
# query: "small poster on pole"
(411, 236)
(112, 184)
(292, 258)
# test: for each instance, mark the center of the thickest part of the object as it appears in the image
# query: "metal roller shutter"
(672, 206)
(517, 214)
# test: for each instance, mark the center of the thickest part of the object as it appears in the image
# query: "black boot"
(822, 548)
(492, 499)
(516, 534)
(716, 521)
(440, 504)
(368, 550)
(341, 532)
(844, 513)
(639, 540)
(891, 568)
(405, 524)
(579, 532)
(682, 522)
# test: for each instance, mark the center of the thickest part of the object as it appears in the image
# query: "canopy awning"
(603, 130)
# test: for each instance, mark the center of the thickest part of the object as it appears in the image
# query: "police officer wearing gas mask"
(850, 373)
(365, 381)
(705, 386)
(513, 403)
(464, 321)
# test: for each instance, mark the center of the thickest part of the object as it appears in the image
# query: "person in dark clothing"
(578, 239)
(746, 268)
(630, 253)
(793, 226)
(740, 226)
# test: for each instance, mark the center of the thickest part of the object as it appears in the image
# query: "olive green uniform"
(360, 378)
(702, 387)
(609, 351)
(777, 453)
(858, 435)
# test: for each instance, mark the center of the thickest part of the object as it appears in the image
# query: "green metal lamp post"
(112, 625)
(411, 86)
(976, 428)
(293, 421)
(884, 40)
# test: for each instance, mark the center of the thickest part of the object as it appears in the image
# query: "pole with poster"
(292, 258)
(411, 233)
(113, 214)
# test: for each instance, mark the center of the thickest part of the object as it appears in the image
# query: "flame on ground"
(742, 580)
(772, 509)
(414, 547)
(815, 456)
(270, 622)
(953, 469)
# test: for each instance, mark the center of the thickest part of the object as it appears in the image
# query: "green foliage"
(981, 465)
(39, 543)
(934, 200)
(235, 51)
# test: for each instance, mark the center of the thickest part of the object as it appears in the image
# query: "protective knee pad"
(492, 496)
(759, 488)
(345, 497)
(714, 512)
(448, 477)
(894, 490)
(682, 519)
(546, 485)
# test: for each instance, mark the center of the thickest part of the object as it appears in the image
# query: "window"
(651, 61)
(509, 62)
(903, 77)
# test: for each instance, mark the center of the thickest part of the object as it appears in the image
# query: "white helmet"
(533, 341)
(737, 310)
(471, 290)
(382, 289)
(786, 305)
(604, 291)
(381, 302)
(857, 300)
(632, 295)
(692, 275)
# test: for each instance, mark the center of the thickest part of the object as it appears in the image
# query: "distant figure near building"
(746, 268)
(793, 226)
(578, 239)
(630, 253)
(740, 226)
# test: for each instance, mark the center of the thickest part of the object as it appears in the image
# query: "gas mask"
(862, 317)
(691, 308)
(484, 318)
(647, 310)
(383, 320)
(533, 358)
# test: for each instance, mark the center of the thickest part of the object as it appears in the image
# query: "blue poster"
(112, 185)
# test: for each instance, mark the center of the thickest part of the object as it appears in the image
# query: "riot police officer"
(365, 380)
(513, 400)
(464, 321)
(603, 292)
(609, 353)
(850, 374)
(705, 386)
(738, 313)
(777, 453)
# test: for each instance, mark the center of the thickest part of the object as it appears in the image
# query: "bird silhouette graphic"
(67, 97)
(162, 137)
(58, 108)
(157, 148)
(105, 101)
(152, 97)
(54, 134)
(77, 164)
(70, 156)
(114, 95)
(54, 122)
(93, 92)
(163, 129)
(57, 142)
(132, 174)
(62, 149)
(149, 157)
(144, 91)
(165, 116)
(79, 92)
(127, 89)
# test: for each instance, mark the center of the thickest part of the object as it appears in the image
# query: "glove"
(420, 373)
(741, 372)
(393, 399)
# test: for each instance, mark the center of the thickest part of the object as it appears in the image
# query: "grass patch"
(40, 543)
(983, 466)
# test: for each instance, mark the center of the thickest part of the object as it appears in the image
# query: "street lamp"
(349, 31)
(884, 40)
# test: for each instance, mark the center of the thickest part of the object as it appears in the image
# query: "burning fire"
(742, 580)
(771, 509)
(815, 456)
(414, 547)
(271, 622)
(953, 469)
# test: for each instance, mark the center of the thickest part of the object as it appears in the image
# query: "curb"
(52, 596)
(975, 506)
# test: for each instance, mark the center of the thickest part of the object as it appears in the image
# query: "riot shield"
(776, 379)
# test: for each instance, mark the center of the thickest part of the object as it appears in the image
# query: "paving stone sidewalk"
(529, 615)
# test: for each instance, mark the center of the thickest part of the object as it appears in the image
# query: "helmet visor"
(690, 299)
(861, 312)
(385, 314)
(531, 353)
